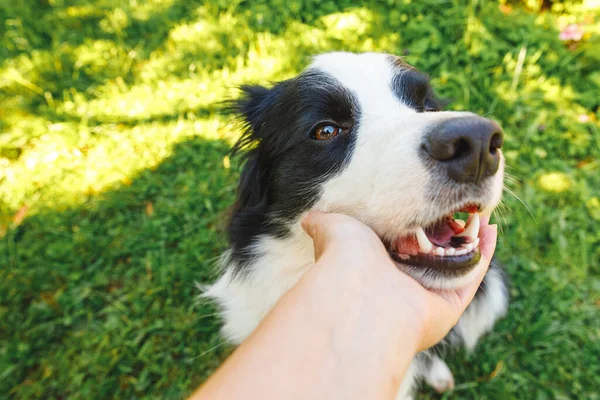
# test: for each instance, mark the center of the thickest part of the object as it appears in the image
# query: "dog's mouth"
(449, 246)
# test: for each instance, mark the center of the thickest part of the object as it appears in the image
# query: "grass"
(114, 179)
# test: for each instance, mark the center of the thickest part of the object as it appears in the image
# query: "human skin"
(349, 328)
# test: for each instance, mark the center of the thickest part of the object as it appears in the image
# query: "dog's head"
(363, 135)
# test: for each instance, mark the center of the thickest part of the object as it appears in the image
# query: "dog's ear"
(252, 189)
(435, 103)
(251, 108)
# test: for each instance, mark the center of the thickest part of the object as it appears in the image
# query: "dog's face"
(363, 135)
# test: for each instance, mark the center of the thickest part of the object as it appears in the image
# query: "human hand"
(351, 325)
(353, 251)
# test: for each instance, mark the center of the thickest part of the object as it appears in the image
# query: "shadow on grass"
(100, 301)
(203, 112)
(75, 22)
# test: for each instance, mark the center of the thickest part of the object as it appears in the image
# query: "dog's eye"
(326, 132)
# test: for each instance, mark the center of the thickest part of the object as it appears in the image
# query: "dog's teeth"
(472, 228)
(476, 243)
(451, 251)
(469, 247)
(439, 251)
(424, 244)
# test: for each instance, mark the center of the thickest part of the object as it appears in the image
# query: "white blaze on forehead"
(368, 75)
(383, 184)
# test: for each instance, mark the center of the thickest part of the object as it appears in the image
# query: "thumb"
(315, 225)
(339, 234)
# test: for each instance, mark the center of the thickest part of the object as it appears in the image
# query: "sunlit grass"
(60, 171)
(555, 182)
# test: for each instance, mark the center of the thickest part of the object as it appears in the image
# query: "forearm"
(313, 345)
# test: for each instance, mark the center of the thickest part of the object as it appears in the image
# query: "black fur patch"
(412, 88)
(284, 165)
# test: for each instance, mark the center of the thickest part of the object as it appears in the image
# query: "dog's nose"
(466, 147)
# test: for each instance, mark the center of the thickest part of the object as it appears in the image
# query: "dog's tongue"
(440, 233)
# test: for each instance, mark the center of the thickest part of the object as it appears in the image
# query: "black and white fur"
(372, 172)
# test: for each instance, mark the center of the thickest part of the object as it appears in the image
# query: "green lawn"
(114, 179)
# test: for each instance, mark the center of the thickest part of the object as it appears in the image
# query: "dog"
(363, 135)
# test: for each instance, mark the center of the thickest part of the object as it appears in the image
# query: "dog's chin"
(434, 279)
(444, 253)
(441, 273)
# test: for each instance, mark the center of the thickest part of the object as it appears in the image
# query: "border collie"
(362, 135)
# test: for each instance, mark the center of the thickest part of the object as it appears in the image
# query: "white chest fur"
(246, 298)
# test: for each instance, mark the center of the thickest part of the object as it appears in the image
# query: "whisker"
(208, 315)
(521, 201)
(508, 177)
(502, 210)
(498, 216)
(208, 351)
(514, 183)
(510, 174)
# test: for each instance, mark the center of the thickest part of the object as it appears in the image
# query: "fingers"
(340, 234)
(317, 225)
(447, 306)
(484, 219)
(326, 229)
(488, 236)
